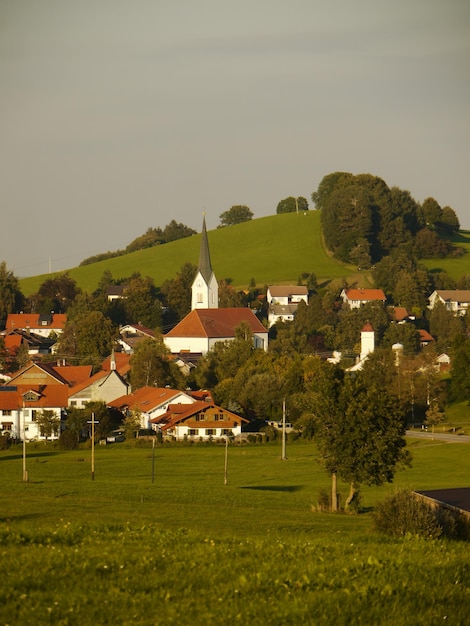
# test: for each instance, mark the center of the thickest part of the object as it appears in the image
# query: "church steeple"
(205, 290)
(205, 266)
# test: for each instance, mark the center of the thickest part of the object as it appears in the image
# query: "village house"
(104, 386)
(455, 300)
(199, 420)
(355, 298)
(149, 403)
(130, 335)
(37, 323)
(283, 302)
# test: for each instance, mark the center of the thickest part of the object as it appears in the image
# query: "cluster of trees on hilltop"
(152, 237)
(363, 220)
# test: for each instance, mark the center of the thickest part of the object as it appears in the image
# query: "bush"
(68, 440)
(404, 513)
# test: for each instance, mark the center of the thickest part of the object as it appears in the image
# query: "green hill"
(275, 249)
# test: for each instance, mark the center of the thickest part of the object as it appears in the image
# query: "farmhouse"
(150, 403)
(201, 420)
(206, 324)
(104, 386)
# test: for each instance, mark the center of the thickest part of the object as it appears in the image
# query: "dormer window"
(31, 396)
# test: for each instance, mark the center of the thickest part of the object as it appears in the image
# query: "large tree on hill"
(57, 294)
(235, 215)
(292, 205)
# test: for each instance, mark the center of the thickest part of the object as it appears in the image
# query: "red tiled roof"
(145, 399)
(424, 335)
(365, 294)
(31, 321)
(74, 374)
(122, 363)
(216, 323)
(367, 328)
(177, 413)
(12, 343)
(49, 396)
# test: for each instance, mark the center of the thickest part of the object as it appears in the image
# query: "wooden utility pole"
(93, 422)
(226, 461)
(283, 453)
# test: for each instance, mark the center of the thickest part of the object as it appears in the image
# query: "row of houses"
(56, 388)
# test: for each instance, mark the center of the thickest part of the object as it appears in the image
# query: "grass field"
(188, 549)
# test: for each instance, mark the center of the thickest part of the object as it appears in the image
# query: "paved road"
(422, 434)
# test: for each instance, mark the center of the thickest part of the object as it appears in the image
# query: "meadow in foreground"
(188, 549)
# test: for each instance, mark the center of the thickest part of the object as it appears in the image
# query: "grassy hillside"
(275, 249)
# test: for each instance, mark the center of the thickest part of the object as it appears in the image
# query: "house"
(20, 405)
(104, 386)
(206, 324)
(424, 337)
(283, 302)
(44, 325)
(130, 335)
(116, 292)
(455, 300)
(200, 420)
(150, 402)
(400, 314)
(443, 362)
(355, 298)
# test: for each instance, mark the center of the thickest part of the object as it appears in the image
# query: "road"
(423, 434)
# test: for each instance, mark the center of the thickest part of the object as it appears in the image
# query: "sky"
(117, 115)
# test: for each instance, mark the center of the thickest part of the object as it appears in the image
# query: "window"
(73, 403)
(33, 415)
(226, 432)
(210, 431)
(192, 432)
(6, 412)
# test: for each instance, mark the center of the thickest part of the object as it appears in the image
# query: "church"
(206, 324)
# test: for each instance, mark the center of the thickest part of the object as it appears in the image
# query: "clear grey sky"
(120, 115)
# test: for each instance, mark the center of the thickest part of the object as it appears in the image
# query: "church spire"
(205, 290)
(205, 266)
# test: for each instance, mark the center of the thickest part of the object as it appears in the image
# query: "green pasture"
(189, 549)
(458, 267)
(272, 250)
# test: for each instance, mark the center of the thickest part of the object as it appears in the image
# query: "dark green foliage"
(236, 215)
(176, 293)
(405, 513)
(292, 205)
(152, 237)
(460, 379)
(56, 294)
(11, 298)
(363, 220)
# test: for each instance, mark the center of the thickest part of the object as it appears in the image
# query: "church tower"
(205, 290)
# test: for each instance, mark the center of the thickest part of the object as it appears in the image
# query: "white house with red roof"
(206, 324)
(150, 402)
(199, 420)
(40, 324)
(355, 298)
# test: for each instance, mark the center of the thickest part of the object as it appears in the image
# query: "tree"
(292, 205)
(131, 424)
(236, 215)
(48, 423)
(175, 230)
(150, 365)
(449, 220)
(177, 293)
(141, 303)
(57, 294)
(89, 336)
(11, 298)
(359, 429)
(431, 211)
